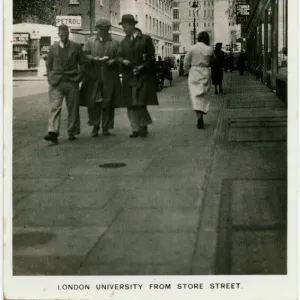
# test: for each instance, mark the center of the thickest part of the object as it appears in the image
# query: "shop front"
(266, 34)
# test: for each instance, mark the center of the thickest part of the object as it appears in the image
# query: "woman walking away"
(197, 64)
(241, 63)
(217, 68)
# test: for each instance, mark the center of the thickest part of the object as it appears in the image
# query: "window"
(147, 23)
(204, 3)
(150, 24)
(175, 49)
(74, 2)
(175, 14)
(175, 4)
(136, 17)
(189, 13)
(204, 24)
(282, 38)
(175, 26)
(189, 24)
(175, 38)
(157, 29)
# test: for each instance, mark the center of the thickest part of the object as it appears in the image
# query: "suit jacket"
(56, 69)
(138, 90)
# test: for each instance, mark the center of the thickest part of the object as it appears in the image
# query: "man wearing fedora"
(137, 56)
(101, 88)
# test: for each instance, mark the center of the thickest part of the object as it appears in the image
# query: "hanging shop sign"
(21, 39)
(242, 13)
(73, 22)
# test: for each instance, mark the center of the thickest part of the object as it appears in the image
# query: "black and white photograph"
(150, 138)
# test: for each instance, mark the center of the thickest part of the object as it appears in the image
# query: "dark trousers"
(100, 115)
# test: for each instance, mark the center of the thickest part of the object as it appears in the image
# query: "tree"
(33, 11)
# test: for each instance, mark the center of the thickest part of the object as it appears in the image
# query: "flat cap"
(103, 23)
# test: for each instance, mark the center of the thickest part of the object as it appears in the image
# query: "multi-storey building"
(183, 22)
(221, 28)
(154, 18)
(89, 11)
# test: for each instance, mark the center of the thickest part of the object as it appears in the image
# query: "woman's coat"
(197, 63)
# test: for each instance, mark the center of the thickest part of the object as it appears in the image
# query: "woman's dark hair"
(203, 37)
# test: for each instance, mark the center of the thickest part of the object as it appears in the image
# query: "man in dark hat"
(101, 88)
(137, 56)
(62, 65)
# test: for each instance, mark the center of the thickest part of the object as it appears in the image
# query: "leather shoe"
(72, 137)
(51, 137)
(135, 134)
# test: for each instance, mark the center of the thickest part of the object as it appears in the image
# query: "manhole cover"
(112, 165)
(28, 239)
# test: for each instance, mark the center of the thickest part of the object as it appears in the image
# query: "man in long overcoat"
(101, 88)
(137, 56)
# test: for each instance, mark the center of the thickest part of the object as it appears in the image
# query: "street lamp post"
(194, 6)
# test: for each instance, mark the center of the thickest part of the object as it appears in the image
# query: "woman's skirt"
(199, 86)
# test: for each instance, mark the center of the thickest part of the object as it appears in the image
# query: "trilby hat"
(128, 18)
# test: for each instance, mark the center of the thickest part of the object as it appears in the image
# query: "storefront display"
(267, 50)
(282, 37)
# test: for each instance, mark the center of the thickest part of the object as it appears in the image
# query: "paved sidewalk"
(187, 201)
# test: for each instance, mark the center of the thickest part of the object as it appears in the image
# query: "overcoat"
(197, 63)
(217, 68)
(96, 73)
(138, 90)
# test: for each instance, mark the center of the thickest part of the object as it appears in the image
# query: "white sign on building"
(73, 22)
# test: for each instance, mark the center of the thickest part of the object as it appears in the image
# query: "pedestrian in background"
(64, 71)
(101, 88)
(217, 69)
(231, 61)
(225, 62)
(241, 63)
(137, 56)
(197, 64)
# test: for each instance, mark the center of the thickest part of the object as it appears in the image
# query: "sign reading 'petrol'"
(74, 22)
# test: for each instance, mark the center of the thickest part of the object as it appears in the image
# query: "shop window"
(282, 37)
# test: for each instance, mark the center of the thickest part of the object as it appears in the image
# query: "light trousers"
(70, 91)
(138, 117)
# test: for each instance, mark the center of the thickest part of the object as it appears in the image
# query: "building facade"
(183, 22)
(155, 19)
(267, 43)
(89, 11)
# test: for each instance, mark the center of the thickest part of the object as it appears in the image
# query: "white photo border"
(253, 287)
